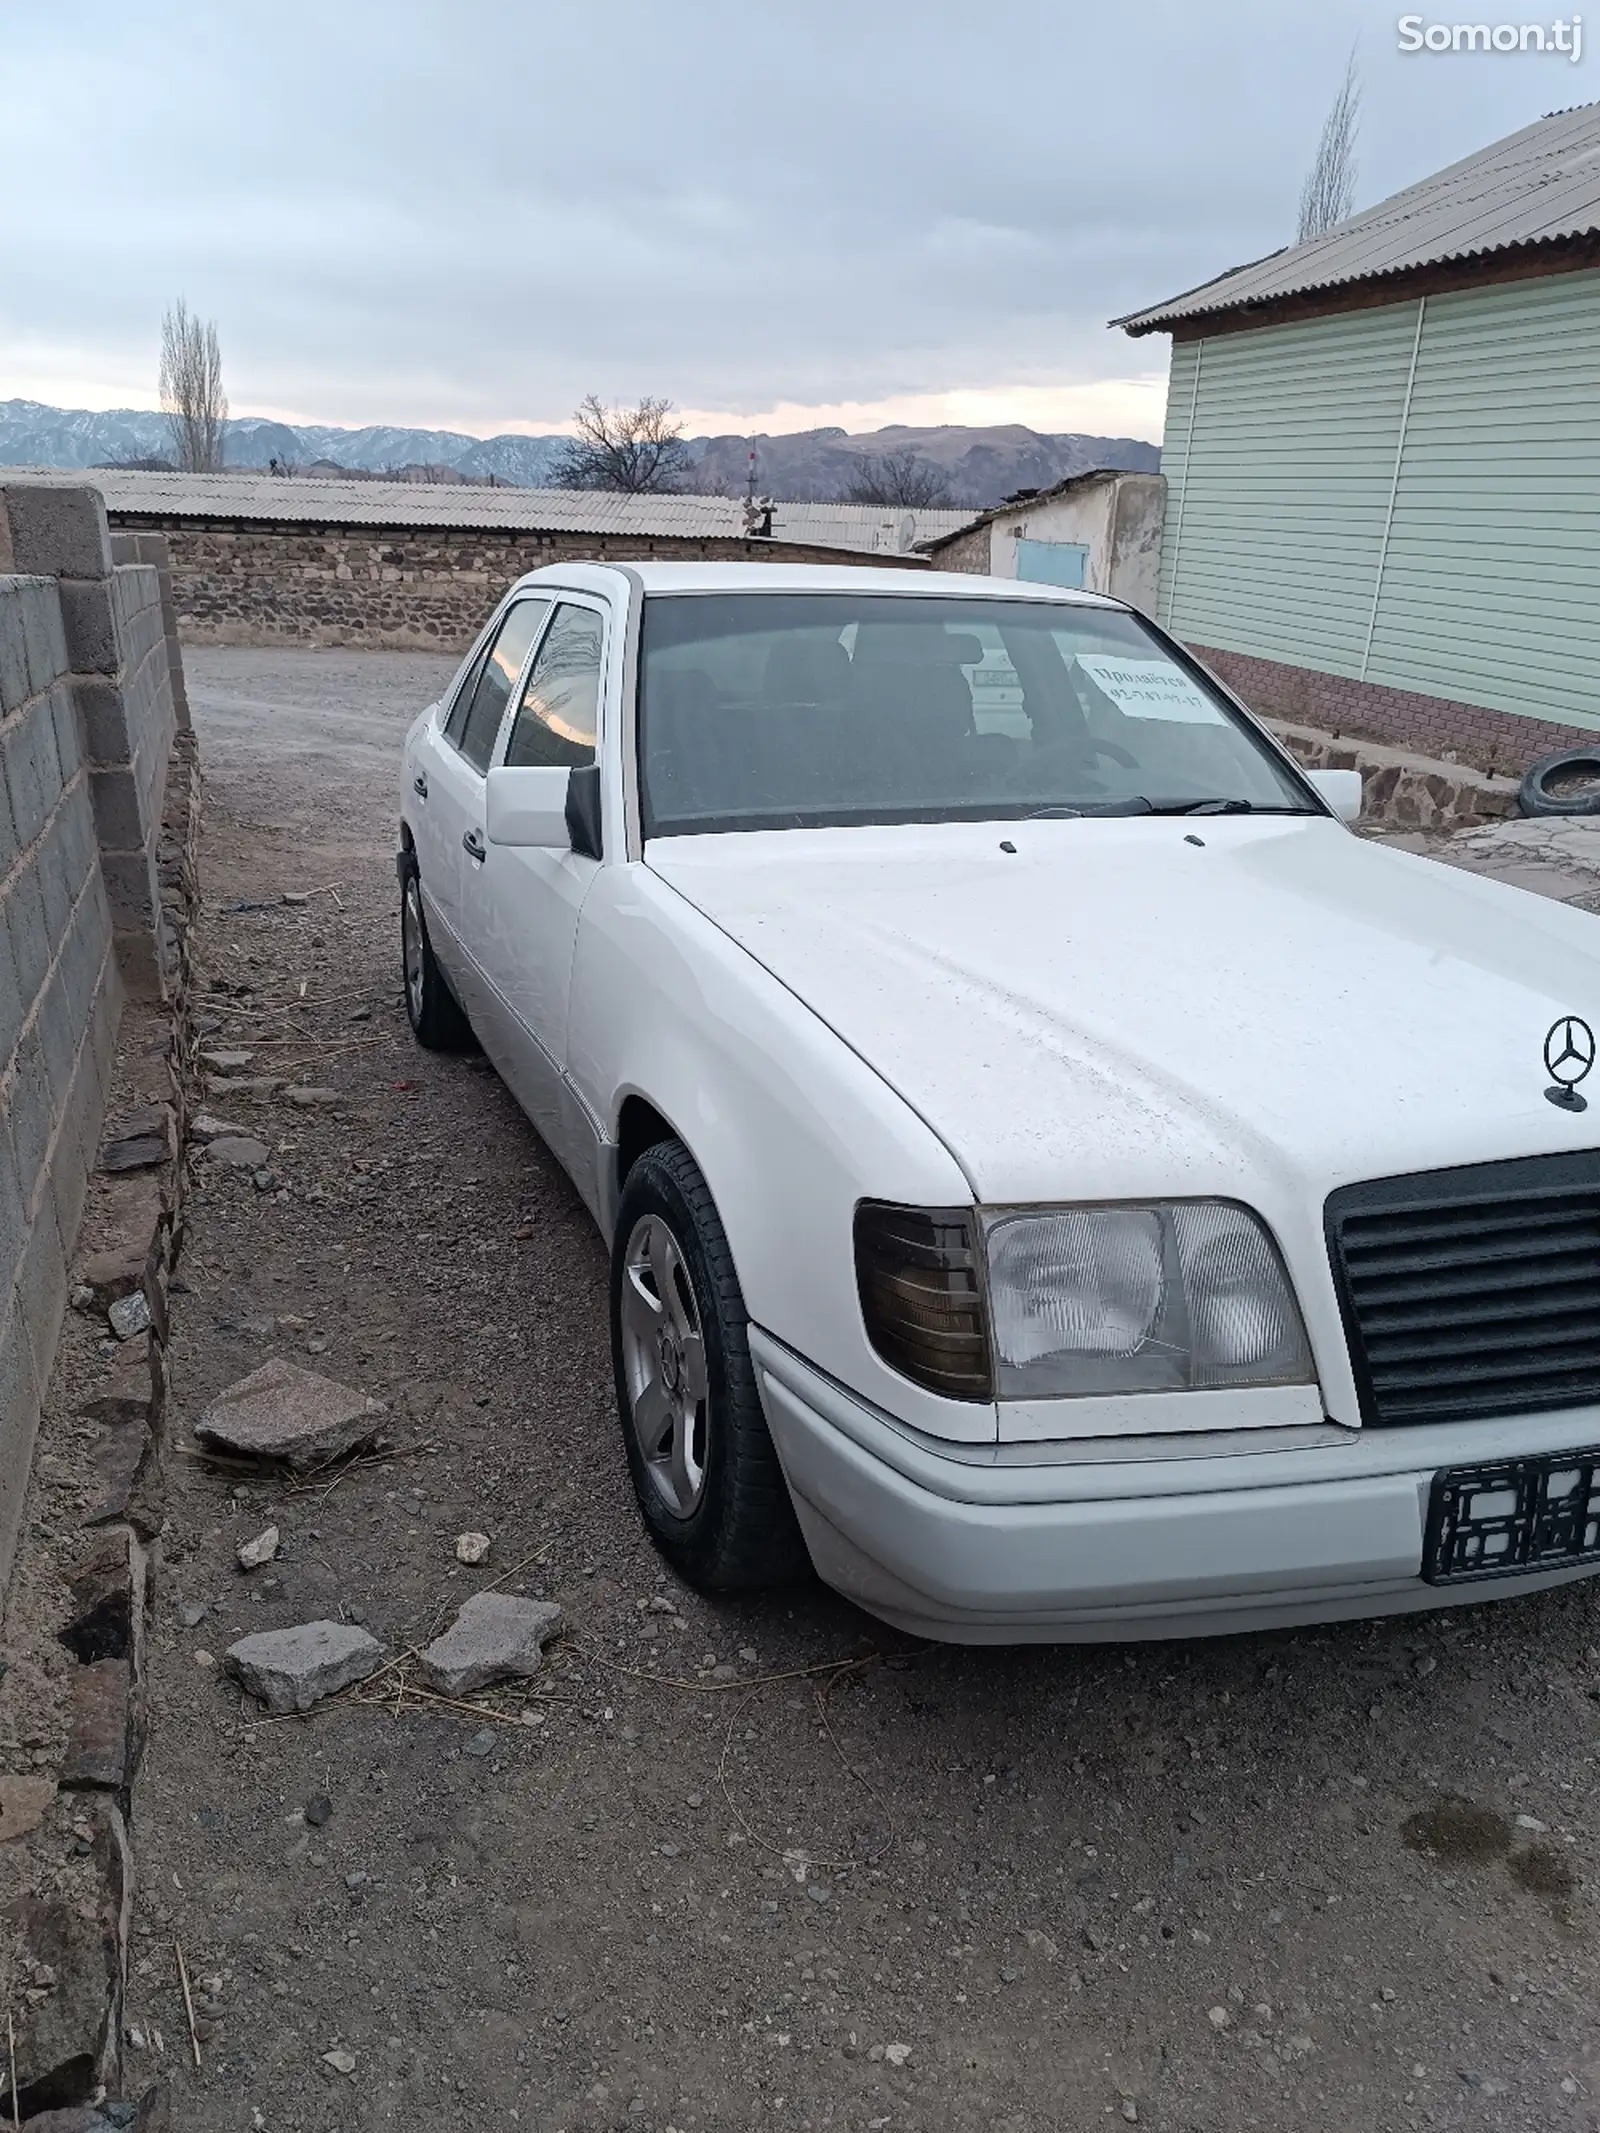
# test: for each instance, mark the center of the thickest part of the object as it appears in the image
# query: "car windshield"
(815, 710)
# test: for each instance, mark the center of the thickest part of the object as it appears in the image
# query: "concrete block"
(58, 1037)
(32, 1111)
(40, 716)
(102, 707)
(91, 625)
(81, 970)
(19, 1421)
(77, 1143)
(140, 965)
(13, 1007)
(29, 768)
(55, 632)
(58, 892)
(133, 890)
(69, 1173)
(42, 1289)
(41, 633)
(23, 912)
(76, 815)
(57, 529)
(103, 1029)
(10, 842)
(13, 647)
(13, 1215)
(69, 737)
(118, 818)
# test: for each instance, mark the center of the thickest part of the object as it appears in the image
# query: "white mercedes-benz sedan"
(1059, 1179)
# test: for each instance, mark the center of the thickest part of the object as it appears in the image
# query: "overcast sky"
(778, 213)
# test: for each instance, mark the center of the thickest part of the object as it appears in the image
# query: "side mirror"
(545, 808)
(1342, 791)
(527, 808)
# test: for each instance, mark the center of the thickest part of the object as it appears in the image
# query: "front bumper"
(992, 1544)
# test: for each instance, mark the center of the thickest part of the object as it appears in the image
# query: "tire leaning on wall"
(1567, 783)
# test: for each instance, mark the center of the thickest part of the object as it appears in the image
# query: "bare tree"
(192, 398)
(635, 449)
(899, 478)
(1329, 193)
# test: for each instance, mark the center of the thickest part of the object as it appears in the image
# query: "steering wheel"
(1080, 749)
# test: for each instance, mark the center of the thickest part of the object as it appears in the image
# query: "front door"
(455, 799)
(530, 898)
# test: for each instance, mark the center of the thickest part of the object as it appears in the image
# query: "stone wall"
(1499, 741)
(86, 723)
(968, 550)
(1403, 789)
(402, 587)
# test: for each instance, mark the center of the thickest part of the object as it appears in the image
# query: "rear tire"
(432, 1009)
(710, 1488)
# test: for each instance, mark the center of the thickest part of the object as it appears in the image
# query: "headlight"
(1140, 1299)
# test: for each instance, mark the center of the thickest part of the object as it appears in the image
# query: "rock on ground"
(263, 1549)
(238, 1152)
(205, 1127)
(283, 1412)
(291, 1669)
(495, 1637)
(130, 1315)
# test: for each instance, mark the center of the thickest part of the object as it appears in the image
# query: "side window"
(463, 698)
(557, 717)
(495, 682)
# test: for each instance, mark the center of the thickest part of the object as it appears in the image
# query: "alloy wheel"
(411, 941)
(664, 1362)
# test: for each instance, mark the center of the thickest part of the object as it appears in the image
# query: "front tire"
(708, 1481)
(432, 1009)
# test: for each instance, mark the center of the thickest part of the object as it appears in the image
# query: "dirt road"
(1323, 1881)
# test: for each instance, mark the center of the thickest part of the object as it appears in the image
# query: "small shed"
(1382, 455)
(1100, 530)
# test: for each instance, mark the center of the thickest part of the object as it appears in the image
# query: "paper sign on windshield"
(1149, 688)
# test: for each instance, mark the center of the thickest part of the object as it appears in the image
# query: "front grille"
(1474, 1291)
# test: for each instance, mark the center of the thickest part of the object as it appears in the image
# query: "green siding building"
(1382, 457)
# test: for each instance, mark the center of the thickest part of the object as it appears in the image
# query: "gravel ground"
(1315, 1880)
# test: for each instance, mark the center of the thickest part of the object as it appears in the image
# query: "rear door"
(423, 808)
(455, 793)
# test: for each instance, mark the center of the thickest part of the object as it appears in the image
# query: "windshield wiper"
(1136, 805)
(1221, 807)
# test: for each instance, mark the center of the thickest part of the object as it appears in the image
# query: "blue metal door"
(1053, 562)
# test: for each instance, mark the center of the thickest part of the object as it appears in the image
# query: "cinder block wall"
(87, 715)
(129, 720)
(59, 1003)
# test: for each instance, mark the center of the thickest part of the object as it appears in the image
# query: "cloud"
(471, 214)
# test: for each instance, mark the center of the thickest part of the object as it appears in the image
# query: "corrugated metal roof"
(1010, 509)
(251, 495)
(1535, 187)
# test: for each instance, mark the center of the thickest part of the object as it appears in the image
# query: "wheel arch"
(640, 1126)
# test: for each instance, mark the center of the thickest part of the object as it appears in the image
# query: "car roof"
(803, 578)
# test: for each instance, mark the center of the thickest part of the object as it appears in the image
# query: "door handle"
(419, 785)
(473, 844)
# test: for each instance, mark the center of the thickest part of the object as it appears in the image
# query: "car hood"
(1261, 1008)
